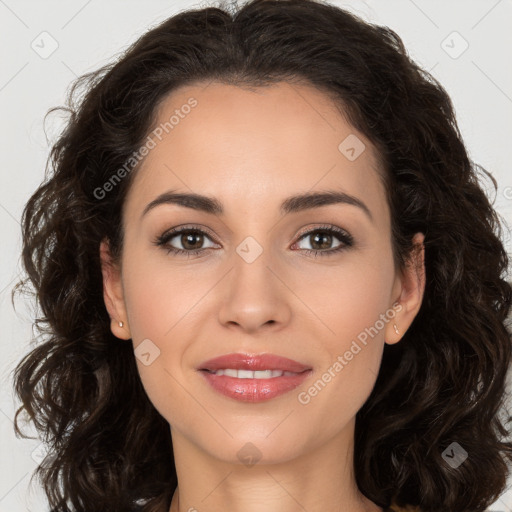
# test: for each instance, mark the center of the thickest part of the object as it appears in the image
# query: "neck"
(318, 479)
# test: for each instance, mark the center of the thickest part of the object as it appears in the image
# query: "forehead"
(247, 145)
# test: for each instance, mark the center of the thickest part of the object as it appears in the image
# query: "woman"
(269, 278)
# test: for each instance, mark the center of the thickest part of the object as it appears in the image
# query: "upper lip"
(253, 362)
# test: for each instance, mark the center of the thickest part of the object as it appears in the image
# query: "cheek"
(162, 308)
(354, 296)
(158, 298)
(357, 313)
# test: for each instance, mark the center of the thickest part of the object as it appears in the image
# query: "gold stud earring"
(396, 329)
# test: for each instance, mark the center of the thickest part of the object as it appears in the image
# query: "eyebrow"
(293, 204)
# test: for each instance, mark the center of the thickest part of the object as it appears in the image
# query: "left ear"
(411, 287)
(113, 294)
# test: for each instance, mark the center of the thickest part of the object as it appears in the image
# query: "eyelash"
(345, 238)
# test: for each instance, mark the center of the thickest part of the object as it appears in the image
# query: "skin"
(251, 149)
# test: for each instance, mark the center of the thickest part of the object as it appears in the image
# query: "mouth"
(253, 378)
(254, 363)
(249, 374)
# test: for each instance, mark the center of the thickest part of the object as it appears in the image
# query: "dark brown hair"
(444, 382)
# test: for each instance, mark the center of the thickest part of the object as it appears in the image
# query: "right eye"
(188, 237)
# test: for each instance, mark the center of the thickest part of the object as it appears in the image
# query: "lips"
(232, 375)
(254, 363)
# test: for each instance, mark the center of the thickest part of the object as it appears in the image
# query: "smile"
(248, 374)
(253, 377)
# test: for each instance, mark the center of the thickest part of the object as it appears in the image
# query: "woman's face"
(254, 288)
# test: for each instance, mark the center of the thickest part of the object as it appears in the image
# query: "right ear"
(113, 294)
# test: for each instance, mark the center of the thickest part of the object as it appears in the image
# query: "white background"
(91, 33)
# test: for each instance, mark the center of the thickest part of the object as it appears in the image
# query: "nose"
(255, 295)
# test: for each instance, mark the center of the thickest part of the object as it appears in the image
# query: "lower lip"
(254, 390)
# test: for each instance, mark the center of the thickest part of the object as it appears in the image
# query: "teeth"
(248, 374)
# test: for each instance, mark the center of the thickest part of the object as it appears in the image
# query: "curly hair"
(445, 382)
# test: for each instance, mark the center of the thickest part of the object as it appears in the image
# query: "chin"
(248, 450)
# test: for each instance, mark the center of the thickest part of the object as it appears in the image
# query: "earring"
(396, 329)
(121, 324)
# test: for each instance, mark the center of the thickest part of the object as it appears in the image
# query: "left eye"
(322, 238)
(191, 240)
